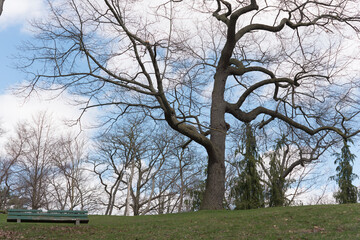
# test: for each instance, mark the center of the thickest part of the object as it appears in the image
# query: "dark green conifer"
(248, 191)
(347, 191)
(277, 183)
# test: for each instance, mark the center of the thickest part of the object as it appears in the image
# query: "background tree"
(110, 167)
(289, 163)
(261, 61)
(278, 185)
(7, 183)
(6, 174)
(248, 190)
(70, 186)
(347, 193)
(187, 162)
(131, 167)
(34, 144)
(150, 180)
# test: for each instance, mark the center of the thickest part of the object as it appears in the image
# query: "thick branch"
(289, 23)
(257, 85)
(248, 117)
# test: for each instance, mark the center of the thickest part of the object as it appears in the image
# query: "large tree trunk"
(215, 183)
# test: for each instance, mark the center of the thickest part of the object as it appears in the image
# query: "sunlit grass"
(307, 222)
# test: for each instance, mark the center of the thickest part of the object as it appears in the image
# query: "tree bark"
(129, 186)
(215, 183)
(1, 6)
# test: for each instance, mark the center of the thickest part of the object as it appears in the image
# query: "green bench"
(61, 216)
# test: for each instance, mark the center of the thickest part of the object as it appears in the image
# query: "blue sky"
(13, 25)
(10, 38)
(13, 31)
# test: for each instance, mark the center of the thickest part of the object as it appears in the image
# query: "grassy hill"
(306, 222)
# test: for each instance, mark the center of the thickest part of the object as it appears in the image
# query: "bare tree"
(4, 168)
(261, 60)
(168, 168)
(188, 164)
(130, 166)
(110, 169)
(287, 164)
(7, 163)
(33, 145)
(71, 186)
(7, 183)
(150, 180)
(118, 161)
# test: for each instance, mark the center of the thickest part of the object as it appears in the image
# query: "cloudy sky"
(13, 31)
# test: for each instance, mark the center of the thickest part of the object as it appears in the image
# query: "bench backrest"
(20, 215)
(68, 211)
(55, 213)
(22, 211)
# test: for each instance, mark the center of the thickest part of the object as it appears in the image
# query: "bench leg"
(77, 222)
(18, 220)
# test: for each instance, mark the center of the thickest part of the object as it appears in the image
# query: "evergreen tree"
(196, 195)
(278, 184)
(347, 191)
(248, 191)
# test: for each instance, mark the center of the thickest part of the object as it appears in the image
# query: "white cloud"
(20, 11)
(14, 109)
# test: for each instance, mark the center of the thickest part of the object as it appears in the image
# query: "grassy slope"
(308, 222)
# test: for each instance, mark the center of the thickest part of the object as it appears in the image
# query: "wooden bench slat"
(67, 212)
(23, 210)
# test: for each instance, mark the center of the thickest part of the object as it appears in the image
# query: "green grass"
(307, 222)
